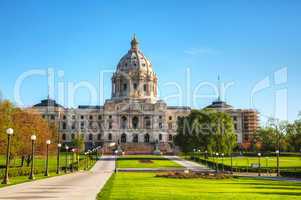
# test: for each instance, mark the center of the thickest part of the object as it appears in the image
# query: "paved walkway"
(77, 186)
(188, 164)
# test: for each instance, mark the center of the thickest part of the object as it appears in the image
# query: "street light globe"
(217, 154)
(73, 150)
(259, 154)
(66, 147)
(10, 131)
(277, 151)
(206, 151)
(48, 142)
(59, 145)
(33, 137)
(223, 154)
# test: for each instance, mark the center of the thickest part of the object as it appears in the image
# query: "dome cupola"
(134, 77)
(134, 59)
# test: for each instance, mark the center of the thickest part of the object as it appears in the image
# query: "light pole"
(216, 162)
(86, 161)
(33, 139)
(66, 158)
(223, 161)
(206, 157)
(59, 145)
(9, 133)
(231, 162)
(278, 168)
(116, 155)
(48, 142)
(72, 160)
(194, 154)
(259, 165)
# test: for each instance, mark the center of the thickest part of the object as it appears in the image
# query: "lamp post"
(33, 139)
(59, 145)
(259, 165)
(72, 160)
(223, 161)
(206, 157)
(89, 158)
(9, 133)
(86, 161)
(216, 162)
(231, 162)
(116, 155)
(213, 158)
(66, 158)
(194, 154)
(278, 168)
(48, 142)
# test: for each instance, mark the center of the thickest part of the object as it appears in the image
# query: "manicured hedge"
(212, 165)
(293, 174)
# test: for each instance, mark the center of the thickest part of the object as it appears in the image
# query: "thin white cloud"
(200, 51)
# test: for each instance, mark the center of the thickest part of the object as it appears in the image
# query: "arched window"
(125, 87)
(124, 122)
(160, 125)
(135, 138)
(110, 136)
(90, 136)
(170, 137)
(135, 122)
(64, 125)
(99, 136)
(147, 122)
(135, 86)
(146, 138)
(72, 136)
(169, 125)
(64, 136)
(123, 138)
(160, 136)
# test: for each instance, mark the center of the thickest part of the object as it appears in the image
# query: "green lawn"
(40, 161)
(270, 162)
(140, 186)
(145, 161)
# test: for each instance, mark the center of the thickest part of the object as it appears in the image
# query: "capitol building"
(134, 118)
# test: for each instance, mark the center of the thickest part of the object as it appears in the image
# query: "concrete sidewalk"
(77, 186)
(189, 164)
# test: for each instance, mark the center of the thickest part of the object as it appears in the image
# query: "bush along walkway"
(82, 185)
(245, 172)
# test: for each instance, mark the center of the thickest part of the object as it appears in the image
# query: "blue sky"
(243, 41)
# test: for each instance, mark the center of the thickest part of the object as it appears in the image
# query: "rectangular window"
(82, 125)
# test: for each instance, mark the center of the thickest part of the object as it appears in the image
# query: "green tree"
(79, 142)
(206, 130)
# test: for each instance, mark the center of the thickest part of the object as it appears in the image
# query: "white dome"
(134, 59)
